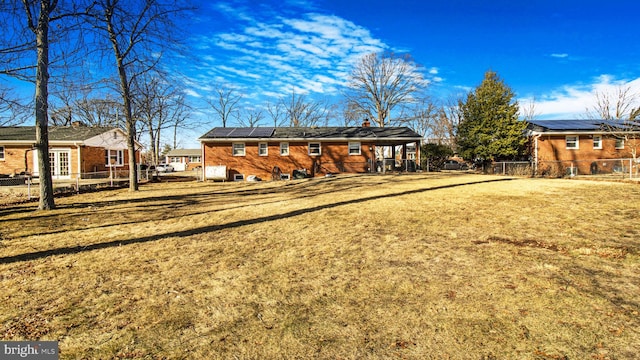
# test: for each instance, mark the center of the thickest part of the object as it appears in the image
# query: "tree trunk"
(41, 102)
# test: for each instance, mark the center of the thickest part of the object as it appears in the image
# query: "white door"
(60, 160)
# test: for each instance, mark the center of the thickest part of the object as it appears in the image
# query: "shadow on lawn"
(231, 225)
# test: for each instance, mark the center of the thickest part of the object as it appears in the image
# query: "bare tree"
(26, 48)
(276, 112)
(302, 112)
(12, 109)
(528, 111)
(623, 103)
(158, 105)
(249, 118)
(620, 110)
(380, 82)
(225, 102)
(137, 31)
(420, 115)
(99, 111)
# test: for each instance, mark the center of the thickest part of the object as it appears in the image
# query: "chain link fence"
(614, 169)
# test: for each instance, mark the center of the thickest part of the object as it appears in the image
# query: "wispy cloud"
(560, 55)
(576, 101)
(310, 52)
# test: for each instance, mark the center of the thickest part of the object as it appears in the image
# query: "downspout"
(79, 175)
(535, 154)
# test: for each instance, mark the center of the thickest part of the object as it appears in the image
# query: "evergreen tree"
(489, 129)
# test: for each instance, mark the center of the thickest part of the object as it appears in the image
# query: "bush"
(435, 155)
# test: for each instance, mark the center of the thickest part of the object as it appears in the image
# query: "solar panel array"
(241, 132)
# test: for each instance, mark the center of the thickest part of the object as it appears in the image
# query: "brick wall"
(14, 159)
(334, 158)
(553, 148)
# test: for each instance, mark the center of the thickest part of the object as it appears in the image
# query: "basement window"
(285, 176)
(238, 177)
(238, 149)
(572, 142)
(1, 152)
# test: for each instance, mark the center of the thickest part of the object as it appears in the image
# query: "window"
(113, 157)
(354, 148)
(194, 159)
(572, 142)
(1, 152)
(238, 149)
(285, 176)
(619, 143)
(263, 149)
(175, 159)
(238, 177)
(284, 149)
(314, 148)
(597, 141)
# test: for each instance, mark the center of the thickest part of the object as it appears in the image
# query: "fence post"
(630, 169)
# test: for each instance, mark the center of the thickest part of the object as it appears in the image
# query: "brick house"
(583, 146)
(184, 159)
(286, 152)
(73, 150)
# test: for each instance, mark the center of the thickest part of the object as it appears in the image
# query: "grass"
(353, 267)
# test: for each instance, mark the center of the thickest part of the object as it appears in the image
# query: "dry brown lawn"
(437, 266)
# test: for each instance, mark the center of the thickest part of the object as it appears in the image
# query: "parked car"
(454, 165)
(164, 168)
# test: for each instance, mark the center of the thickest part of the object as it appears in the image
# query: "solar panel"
(241, 132)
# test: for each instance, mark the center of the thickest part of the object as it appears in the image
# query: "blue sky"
(558, 52)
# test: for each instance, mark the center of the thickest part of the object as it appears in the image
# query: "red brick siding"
(334, 158)
(14, 156)
(553, 148)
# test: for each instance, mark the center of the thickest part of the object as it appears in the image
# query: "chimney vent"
(366, 123)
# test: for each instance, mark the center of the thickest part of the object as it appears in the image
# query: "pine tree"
(489, 129)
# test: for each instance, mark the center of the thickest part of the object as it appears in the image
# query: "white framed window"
(354, 148)
(284, 148)
(619, 143)
(315, 149)
(238, 177)
(572, 141)
(597, 141)
(175, 159)
(113, 157)
(1, 152)
(194, 159)
(238, 149)
(285, 176)
(263, 149)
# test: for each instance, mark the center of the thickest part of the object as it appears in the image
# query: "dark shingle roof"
(577, 125)
(314, 133)
(56, 133)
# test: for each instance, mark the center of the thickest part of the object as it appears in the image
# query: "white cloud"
(575, 101)
(310, 52)
(561, 56)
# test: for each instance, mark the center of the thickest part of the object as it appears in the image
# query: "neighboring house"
(184, 159)
(286, 152)
(73, 150)
(581, 145)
